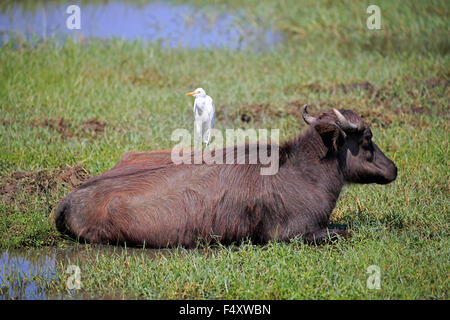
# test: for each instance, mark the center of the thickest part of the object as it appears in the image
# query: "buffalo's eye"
(368, 150)
(367, 140)
(369, 155)
(366, 143)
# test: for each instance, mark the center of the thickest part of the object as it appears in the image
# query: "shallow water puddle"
(26, 273)
(170, 25)
(18, 272)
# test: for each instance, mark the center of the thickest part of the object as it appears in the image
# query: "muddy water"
(25, 273)
(169, 24)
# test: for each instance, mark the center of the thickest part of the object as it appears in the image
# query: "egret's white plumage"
(203, 114)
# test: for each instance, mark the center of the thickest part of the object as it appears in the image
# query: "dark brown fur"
(147, 199)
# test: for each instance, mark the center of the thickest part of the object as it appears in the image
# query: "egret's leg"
(197, 134)
(205, 132)
(208, 136)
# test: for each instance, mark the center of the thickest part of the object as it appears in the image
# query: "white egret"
(203, 114)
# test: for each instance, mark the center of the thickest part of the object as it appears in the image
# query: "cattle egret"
(203, 114)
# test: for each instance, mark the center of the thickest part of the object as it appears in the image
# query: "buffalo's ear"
(330, 134)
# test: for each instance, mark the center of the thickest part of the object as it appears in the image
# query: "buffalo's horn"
(306, 116)
(344, 123)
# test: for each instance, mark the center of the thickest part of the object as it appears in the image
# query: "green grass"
(139, 92)
(276, 271)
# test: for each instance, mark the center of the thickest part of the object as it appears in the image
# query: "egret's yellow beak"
(192, 93)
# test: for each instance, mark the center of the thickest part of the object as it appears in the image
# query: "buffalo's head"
(349, 137)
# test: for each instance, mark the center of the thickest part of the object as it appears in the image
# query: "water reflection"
(19, 270)
(26, 273)
(170, 25)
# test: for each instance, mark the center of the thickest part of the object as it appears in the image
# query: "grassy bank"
(67, 113)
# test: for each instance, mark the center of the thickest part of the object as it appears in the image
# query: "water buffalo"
(148, 200)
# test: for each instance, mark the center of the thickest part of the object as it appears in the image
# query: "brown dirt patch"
(294, 108)
(67, 129)
(223, 112)
(94, 126)
(43, 181)
(394, 100)
(344, 87)
(379, 112)
(371, 116)
(431, 83)
(414, 87)
(255, 112)
(347, 88)
(61, 125)
(377, 118)
(5, 122)
(416, 108)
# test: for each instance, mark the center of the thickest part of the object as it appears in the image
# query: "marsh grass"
(397, 78)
